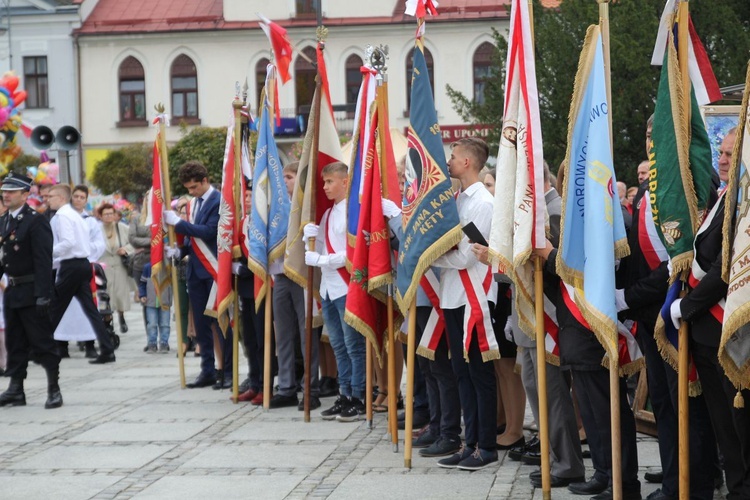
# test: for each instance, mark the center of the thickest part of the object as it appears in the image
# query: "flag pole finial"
(321, 33)
(378, 57)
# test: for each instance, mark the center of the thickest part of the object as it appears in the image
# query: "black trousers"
(730, 424)
(442, 387)
(477, 387)
(662, 391)
(28, 333)
(592, 393)
(253, 327)
(73, 279)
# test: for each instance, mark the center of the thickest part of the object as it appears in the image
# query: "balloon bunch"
(10, 119)
(45, 173)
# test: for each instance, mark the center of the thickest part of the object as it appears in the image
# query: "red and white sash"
(435, 327)
(206, 258)
(477, 312)
(697, 273)
(652, 248)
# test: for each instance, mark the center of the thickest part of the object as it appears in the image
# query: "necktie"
(198, 205)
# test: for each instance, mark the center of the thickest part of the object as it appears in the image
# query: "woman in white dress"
(116, 249)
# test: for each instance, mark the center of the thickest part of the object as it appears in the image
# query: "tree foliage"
(24, 160)
(723, 26)
(126, 170)
(203, 144)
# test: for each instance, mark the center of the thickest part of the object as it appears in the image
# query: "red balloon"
(10, 82)
(19, 97)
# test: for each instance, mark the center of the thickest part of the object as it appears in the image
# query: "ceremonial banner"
(734, 350)
(282, 47)
(159, 267)
(699, 66)
(270, 207)
(680, 174)
(362, 124)
(371, 263)
(520, 208)
(227, 239)
(592, 233)
(329, 151)
(430, 220)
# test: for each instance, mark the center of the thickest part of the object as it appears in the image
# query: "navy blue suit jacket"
(205, 227)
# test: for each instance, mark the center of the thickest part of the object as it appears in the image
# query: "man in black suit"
(200, 245)
(699, 308)
(26, 258)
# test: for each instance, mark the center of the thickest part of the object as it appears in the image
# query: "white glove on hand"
(620, 300)
(314, 259)
(390, 209)
(669, 267)
(676, 313)
(508, 331)
(309, 231)
(171, 217)
(236, 266)
(172, 253)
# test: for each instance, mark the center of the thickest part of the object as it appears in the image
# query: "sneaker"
(425, 440)
(452, 461)
(314, 403)
(478, 460)
(335, 410)
(150, 349)
(442, 448)
(163, 348)
(282, 401)
(354, 411)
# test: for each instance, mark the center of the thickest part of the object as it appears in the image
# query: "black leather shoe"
(202, 380)
(626, 495)
(591, 487)
(659, 495)
(520, 442)
(223, 383)
(654, 477)
(534, 457)
(281, 401)
(419, 420)
(314, 403)
(103, 358)
(14, 396)
(54, 398)
(555, 482)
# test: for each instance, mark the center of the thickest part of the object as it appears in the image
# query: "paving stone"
(229, 486)
(53, 488)
(93, 457)
(262, 455)
(142, 432)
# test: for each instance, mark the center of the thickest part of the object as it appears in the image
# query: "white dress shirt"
(97, 244)
(332, 285)
(475, 204)
(70, 236)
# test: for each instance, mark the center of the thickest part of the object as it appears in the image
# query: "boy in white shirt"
(330, 255)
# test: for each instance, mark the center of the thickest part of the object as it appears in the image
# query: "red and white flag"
(227, 238)
(520, 208)
(159, 266)
(282, 47)
(699, 67)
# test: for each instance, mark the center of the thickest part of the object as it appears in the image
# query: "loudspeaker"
(68, 138)
(42, 137)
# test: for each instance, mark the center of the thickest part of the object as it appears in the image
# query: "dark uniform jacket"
(26, 243)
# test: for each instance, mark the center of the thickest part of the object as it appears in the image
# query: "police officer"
(26, 259)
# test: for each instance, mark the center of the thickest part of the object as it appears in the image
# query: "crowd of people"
(46, 260)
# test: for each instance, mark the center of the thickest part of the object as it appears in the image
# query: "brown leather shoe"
(246, 396)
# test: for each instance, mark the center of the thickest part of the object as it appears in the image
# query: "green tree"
(559, 34)
(203, 144)
(126, 170)
(24, 160)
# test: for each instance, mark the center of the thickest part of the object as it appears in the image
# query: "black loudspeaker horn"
(42, 137)
(67, 138)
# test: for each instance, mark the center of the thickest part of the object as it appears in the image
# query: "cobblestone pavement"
(127, 430)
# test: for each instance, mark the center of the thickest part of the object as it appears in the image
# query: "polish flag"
(282, 47)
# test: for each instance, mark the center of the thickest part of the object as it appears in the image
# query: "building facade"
(190, 56)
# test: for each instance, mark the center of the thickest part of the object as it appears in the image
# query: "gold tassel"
(739, 401)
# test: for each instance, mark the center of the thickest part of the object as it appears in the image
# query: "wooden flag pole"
(541, 362)
(614, 371)
(267, 376)
(410, 351)
(166, 187)
(683, 415)
(368, 383)
(238, 204)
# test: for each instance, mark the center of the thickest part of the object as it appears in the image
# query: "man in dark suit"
(200, 245)
(699, 308)
(26, 259)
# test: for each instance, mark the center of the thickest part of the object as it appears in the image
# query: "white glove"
(676, 313)
(390, 209)
(236, 266)
(620, 300)
(309, 231)
(172, 253)
(171, 217)
(669, 267)
(315, 259)
(508, 331)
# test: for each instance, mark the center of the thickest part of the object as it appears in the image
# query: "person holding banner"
(330, 256)
(703, 309)
(201, 229)
(466, 287)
